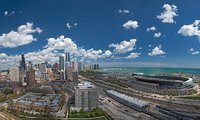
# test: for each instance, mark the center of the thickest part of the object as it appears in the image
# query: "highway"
(119, 111)
(7, 116)
(62, 111)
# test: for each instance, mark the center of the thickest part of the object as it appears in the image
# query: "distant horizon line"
(149, 67)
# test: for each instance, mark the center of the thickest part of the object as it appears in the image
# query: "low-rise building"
(36, 102)
(117, 75)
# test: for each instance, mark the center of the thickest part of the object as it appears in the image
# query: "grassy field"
(93, 118)
(191, 97)
(93, 75)
(96, 113)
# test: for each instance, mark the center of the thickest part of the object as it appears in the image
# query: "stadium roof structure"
(162, 79)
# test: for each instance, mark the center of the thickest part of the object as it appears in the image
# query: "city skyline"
(133, 33)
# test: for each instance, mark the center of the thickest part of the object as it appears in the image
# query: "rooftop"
(37, 99)
(85, 85)
(162, 79)
(130, 99)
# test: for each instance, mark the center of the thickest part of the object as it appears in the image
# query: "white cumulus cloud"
(9, 13)
(124, 46)
(92, 54)
(50, 53)
(196, 52)
(133, 55)
(22, 36)
(157, 34)
(68, 45)
(167, 16)
(192, 51)
(191, 29)
(123, 11)
(2, 55)
(151, 29)
(69, 26)
(62, 43)
(156, 51)
(107, 53)
(131, 24)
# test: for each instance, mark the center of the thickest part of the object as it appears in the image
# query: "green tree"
(87, 114)
(77, 115)
(8, 91)
(92, 114)
(81, 110)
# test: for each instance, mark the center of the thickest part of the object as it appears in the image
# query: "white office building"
(14, 74)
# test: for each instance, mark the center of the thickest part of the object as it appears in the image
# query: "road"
(114, 112)
(119, 111)
(7, 116)
(61, 113)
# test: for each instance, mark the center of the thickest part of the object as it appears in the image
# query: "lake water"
(150, 70)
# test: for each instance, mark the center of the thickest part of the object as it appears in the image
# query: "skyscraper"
(22, 63)
(67, 57)
(91, 67)
(97, 66)
(62, 67)
(55, 67)
(61, 63)
(69, 71)
(29, 66)
(74, 65)
(14, 74)
(62, 75)
(30, 75)
(43, 67)
(80, 66)
(75, 76)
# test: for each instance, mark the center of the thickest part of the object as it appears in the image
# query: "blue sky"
(105, 31)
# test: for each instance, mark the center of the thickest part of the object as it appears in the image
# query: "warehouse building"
(129, 101)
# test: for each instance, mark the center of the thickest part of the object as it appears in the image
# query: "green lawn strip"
(96, 112)
(191, 97)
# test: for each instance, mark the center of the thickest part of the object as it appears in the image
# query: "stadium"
(163, 84)
(166, 81)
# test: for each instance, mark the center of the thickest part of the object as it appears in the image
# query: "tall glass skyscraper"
(67, 57)
(22, 63)
(61, 63)
(62, 67)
